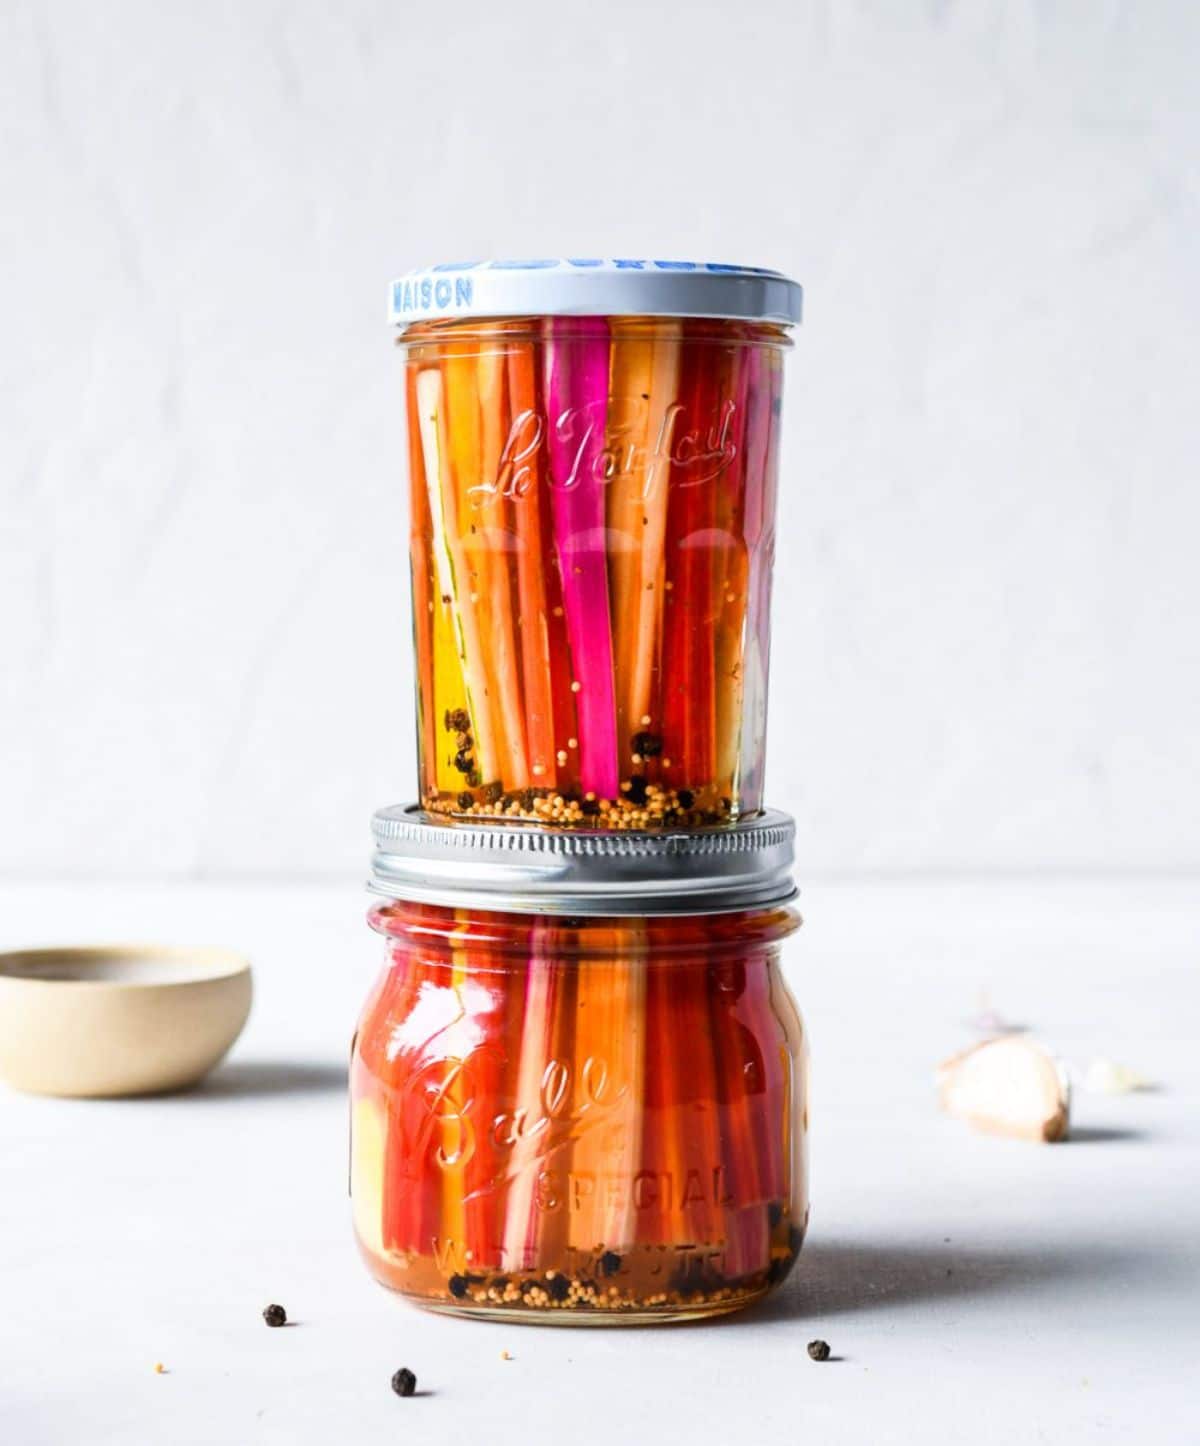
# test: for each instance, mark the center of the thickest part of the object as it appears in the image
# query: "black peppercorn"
(559, 1287)
(457, 720)
(404, 1383)
(637, 789)
(610, 1263)
(649, 745)
(492, 792)
(589, 808)
(457, 1286)
(686, 798)
(819, 1350)
(465, 800)
(463, 761)
(275, 1315)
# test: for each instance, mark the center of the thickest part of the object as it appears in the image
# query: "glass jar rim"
(500, 938)
(490, 332)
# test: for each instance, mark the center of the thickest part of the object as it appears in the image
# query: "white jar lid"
(582, 287)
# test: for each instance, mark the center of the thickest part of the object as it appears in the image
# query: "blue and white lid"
(582, 287)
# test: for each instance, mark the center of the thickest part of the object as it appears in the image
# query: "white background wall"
(988, 609)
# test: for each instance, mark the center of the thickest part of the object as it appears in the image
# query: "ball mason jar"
(577, 1100)
(593, 456)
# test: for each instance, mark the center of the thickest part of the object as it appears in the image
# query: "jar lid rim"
(577, 286)
(529, 868)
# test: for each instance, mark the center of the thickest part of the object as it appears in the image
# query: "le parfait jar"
(579, 1084)
(593, 458)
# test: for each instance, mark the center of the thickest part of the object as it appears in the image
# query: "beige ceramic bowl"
(118, 1021)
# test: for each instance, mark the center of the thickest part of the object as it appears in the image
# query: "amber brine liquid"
(595, 1120)
(593, 526)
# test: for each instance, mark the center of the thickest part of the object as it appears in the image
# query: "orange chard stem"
(459, 439)
(503, 653)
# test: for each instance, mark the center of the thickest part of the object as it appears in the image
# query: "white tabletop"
(973, 1289)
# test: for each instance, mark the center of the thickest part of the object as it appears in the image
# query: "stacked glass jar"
(579, 1084)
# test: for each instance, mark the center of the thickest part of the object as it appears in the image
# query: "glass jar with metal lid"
(593, 453)
(579, 1083)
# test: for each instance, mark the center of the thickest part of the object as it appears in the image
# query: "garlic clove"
(1107, 1077)
(1007, 1086)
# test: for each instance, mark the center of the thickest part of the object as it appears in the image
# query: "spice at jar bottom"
(637, 805)
(580, 1117)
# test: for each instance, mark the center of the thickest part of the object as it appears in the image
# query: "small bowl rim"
(215, 962)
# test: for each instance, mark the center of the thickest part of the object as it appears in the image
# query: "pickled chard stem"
(453, 572)
(610, 1033)
(525, 483)
(502, 653)
(440, 687)
(643, 384)
(731, 568)
(762, 453)
(576, 382)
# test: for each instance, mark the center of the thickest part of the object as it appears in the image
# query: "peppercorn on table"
(969, 1288)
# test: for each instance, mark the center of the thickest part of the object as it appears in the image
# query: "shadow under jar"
(593, 473)
(573, 1103)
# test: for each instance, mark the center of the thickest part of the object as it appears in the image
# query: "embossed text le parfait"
(592, 458)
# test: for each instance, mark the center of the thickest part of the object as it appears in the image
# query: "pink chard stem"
(576, 381)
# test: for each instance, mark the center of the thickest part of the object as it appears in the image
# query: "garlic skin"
(1008, 1086)
(1107, 1077)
